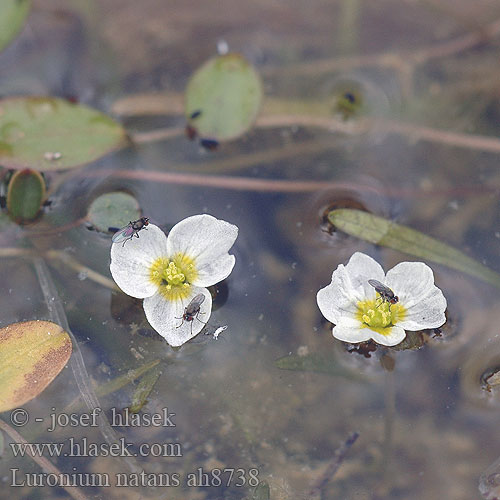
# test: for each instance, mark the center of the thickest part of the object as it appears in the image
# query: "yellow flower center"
(378, 315)
(173, 276)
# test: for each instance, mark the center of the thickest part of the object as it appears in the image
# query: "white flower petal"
(393, 336)
(425, 304)
(337, 300)
(353, 334)
(361, 268)
(410, 281)
(207, 240)
(166, 316)
(212, 272)
(427, 313)
(131, 261)
(349, 286)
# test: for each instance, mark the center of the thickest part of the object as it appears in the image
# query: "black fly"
(130, 230)
(386, 294)
(192, 311)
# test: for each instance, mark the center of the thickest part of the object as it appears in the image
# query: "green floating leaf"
(31, 355)
(144, 388)
(115, 209)
(12, 16)
(223, 97)
(386, 233)
(46, 133)
(319, 363)
(25, 195)
(261, 492)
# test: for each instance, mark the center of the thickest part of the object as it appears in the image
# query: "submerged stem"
(58, 315)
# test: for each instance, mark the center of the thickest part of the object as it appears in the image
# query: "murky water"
(427, 429)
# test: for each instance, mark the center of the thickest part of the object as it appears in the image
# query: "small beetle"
(130, 230)
(386, 294)
(192, 311)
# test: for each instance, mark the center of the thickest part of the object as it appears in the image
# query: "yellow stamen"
(379, 316)
(173, 276)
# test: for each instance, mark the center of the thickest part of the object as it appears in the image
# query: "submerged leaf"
(114, 385)
(223, 98)
(25, 195)
(261, 492)
(12, 16)
(144, 388)
(320, 363)
(31, 355)
(115, 209)
(46, 133)
(386, 233)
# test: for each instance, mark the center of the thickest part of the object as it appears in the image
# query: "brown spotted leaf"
(32, 353)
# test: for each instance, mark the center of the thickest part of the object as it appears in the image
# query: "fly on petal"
(123, 234)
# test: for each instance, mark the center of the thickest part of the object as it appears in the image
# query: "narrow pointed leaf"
(114, 385)
(12, 16)
(32, 353)
(386, 233)
(144, 388)
(261, 492)
(46, 133)
(320, 363)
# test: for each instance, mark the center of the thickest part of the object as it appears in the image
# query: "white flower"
(360, 313)
(167, 272)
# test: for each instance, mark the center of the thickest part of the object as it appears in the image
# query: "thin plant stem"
(62, 257)
(411, 131)
(390, 412)
(395, 60)
(283, 186)
(339, 456)
(58, 315)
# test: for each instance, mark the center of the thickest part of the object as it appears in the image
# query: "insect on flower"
(386, 294)
(192, 310)
(130, 230)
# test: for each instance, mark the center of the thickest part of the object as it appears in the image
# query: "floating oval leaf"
(115, 209)
(386, 233)
(46, 133)
(25, 195)
(223, 97)
(12, 15)
(31, 355)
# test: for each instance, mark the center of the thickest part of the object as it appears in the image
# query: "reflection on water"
(427, 429)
